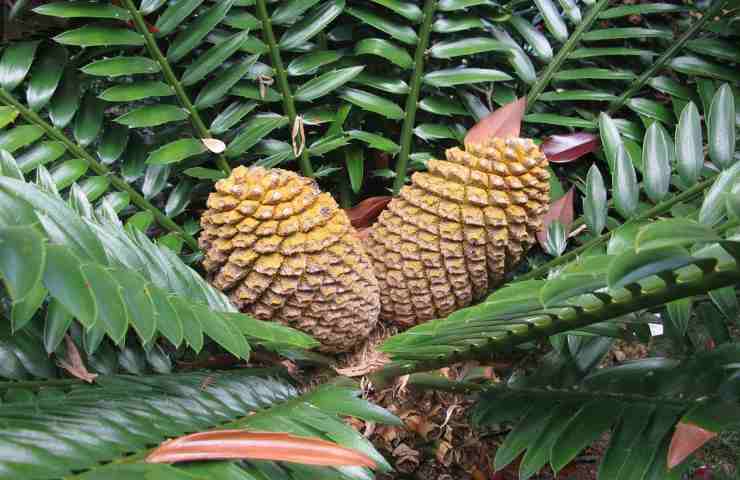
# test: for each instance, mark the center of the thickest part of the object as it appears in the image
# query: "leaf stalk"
(169, 74)
(412, 100)
(304, 160)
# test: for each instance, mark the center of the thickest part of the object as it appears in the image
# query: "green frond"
(111, 278)
(654, 269)
(639, 403)
(105, 430)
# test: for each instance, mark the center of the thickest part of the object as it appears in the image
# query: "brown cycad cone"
(284, 251)
(455, 231)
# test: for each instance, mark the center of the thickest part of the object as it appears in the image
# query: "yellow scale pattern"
(457, 229)
(284, 251)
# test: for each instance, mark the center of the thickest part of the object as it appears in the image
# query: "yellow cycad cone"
(284, 251)
(457, 229)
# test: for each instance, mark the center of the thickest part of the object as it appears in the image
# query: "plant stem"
(665, 57)
(99, 168)
(437, 382)
(412, 100)
(554, 66)
(169, 75)
(563, 323)
(656, 210)
(282, 80)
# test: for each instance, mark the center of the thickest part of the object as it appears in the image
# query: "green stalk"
(437, 383)
(282, 80)
(666, 56)
(569, 320)
(412, 100)
(99, 168)
(182, 96)
(660, 208)
(554, 66)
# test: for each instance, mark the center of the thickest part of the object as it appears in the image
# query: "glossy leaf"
(113, 143)
(68, 172)
(40, 154)
(695, 66)
(89, 120)
(595, 206)
(689, 145)
(119, 66)
(218, 88)
(174, 15)
(176, 151)
(152, 115)
(99, 36)
(713, 207)
(371, 102)
(212, 58)
(22, 260)
(586, 426)
(630, 268)
(610, 139)
(461, 76)
(673, 232)
(128, 92)
(651, 109)
(45, 76)
(325, 84)
(16, 62)
(468, 46)
(230, 116)
(355, 162)
(384, 49)
(19, 137)
(553, 21)
(399, 31)
(310, 62)
(722, 119)
(657, 157)
(624, 181)
(253, 131)
(536, 39)
(189, 38)
(313, 23)
(82, 9)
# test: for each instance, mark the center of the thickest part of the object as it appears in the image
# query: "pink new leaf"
(241, 444)
(561, 209)
(687, 438)
(503, 122)
(570, 147)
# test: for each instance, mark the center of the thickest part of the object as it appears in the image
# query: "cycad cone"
(284, 251)
(458, 228)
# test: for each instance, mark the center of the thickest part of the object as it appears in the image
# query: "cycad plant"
(125, 112)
